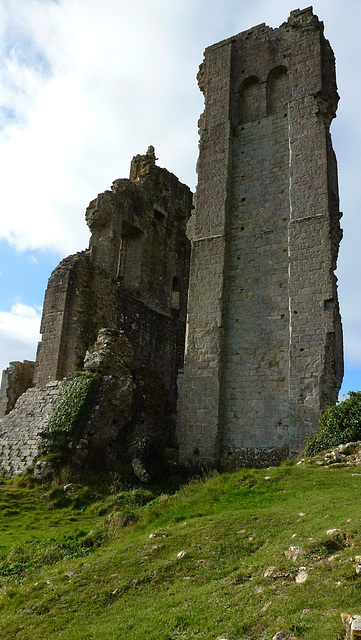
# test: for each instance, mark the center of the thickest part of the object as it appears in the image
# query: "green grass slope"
(206, 562)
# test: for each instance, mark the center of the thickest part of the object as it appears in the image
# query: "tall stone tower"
(264, 338)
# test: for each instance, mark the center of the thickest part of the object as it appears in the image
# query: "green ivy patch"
(68, 413)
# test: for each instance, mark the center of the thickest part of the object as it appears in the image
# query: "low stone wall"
(20, 429)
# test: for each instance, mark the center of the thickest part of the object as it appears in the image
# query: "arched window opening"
(277, 90)
(175, 294)
(249, 100)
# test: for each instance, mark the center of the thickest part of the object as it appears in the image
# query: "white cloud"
(109, 95)
(19, 333)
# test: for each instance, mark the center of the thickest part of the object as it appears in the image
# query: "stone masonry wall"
(16, 379)
(264, 338)
(79, 300)
(20, 429)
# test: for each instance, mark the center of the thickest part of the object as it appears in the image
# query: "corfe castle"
(217, 329)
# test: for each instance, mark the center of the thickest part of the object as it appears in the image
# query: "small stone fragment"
(302, 575)
(269, 571)
(353, 626)
(293, 553)
(140, 471)
(356, 628)
(43, 470)
(70, 488)
(181, 554)
(284, 635)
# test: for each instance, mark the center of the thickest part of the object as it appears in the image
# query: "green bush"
(339, 424)
(68, 413)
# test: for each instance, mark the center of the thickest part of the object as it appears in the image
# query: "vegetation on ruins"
(68, 413)
(117, 560)
(149, 448)
(339, 424)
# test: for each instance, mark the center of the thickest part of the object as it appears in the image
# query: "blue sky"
(84, 86)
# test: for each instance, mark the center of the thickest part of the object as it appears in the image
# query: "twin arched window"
(251, 100)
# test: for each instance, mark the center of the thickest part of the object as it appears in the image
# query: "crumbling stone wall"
(134, 277)
(80, 298)
(264, 338)
(20, 429)
(16, 379)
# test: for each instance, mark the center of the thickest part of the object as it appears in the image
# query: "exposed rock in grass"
(302, 575)
(293, 553)
(353, 626)
(43, 470)
(140, 471)
(345, 455)
(70, 488)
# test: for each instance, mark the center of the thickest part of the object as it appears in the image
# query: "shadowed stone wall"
(264, 339)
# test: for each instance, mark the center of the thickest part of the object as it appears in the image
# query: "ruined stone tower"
(134, 277)
(264, 338)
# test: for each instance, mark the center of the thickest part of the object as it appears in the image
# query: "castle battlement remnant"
(264, 339)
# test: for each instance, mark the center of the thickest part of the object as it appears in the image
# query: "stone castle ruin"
(262, 334)
(264, 338)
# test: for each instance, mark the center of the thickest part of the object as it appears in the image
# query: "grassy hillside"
(113, 563)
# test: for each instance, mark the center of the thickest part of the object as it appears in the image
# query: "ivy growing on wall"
(68, 413)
